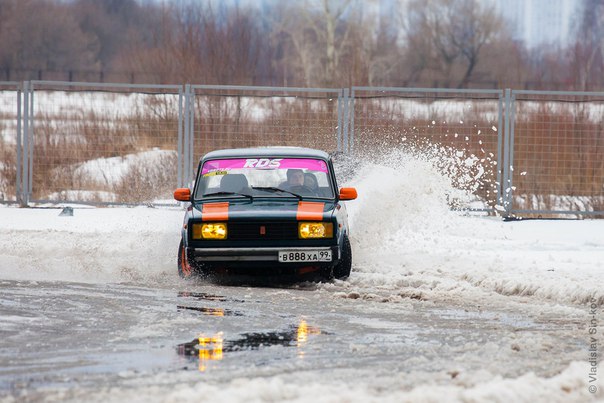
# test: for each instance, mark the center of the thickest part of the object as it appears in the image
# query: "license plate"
(305, 256)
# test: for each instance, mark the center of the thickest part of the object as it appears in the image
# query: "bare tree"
(587, 53)
(157, 55)
(516, 69)
(448, 35)
(329, 43)
(318, 32)
(332, 13)
(472, 27)
(197, 43)
(429, 37)
(40, 35)
(117, 24)
(297, 52)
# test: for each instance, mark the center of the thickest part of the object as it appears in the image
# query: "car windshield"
(264, 177)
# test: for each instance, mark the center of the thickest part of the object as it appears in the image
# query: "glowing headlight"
(315, 230)
(215, 230)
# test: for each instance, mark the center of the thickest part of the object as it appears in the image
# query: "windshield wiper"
(228, 193)
(274, 189)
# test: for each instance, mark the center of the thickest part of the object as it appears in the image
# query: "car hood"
(264, 210)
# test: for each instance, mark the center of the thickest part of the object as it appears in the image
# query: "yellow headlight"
(214, 230)
(315, 230)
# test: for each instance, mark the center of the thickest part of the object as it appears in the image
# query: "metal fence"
(556, 153)
(101, 143)
(10, 141)
(528, 153)
(459, 129)
(246, 116)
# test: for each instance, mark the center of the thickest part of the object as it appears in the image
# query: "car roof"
(267, 152)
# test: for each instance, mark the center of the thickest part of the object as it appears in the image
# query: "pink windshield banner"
(264, 163)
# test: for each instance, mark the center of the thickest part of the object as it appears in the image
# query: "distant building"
(533, 22)
(537, 22)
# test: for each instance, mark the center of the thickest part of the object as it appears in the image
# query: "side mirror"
(182, 194)
(348, 194)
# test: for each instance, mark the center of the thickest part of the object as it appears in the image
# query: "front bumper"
(259, 254)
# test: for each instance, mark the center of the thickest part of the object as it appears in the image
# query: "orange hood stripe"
(310, 211)
(215, 211)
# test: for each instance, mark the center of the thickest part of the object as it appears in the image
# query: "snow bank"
(94, 245)
(110, 171)
(571, 385)
(150, 173)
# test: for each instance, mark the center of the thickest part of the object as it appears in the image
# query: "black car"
(273, 211)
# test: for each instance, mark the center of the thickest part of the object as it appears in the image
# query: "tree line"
(314, 43)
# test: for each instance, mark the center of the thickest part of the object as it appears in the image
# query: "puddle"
(204, 348)
(202, 296)
(211, 348)
(210, 311)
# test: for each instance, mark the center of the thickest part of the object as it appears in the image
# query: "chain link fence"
(10, 146)
(101, 143)
(526, 153)
(460, 131)
(556, 163)
(237, 117)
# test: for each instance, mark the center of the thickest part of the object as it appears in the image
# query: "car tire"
(342, 270)
(185, 270)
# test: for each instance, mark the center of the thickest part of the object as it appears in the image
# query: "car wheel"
(342, 269)
(185, 270)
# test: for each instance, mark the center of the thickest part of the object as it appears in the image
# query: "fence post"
(510, 184)
(179, 152)
(191, 136)
(346, 121)
(340, 120)
(185, 144)
(351, 130)
(25, 153)
(351, 114)
(500, 142)
(31, 125)
(506, 155)
(19, 165)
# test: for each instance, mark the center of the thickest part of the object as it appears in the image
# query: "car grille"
(272, 230)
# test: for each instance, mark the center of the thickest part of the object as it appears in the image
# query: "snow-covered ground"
(411, 255)
(154, 166)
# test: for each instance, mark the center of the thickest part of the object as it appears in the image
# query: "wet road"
(66, 335)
